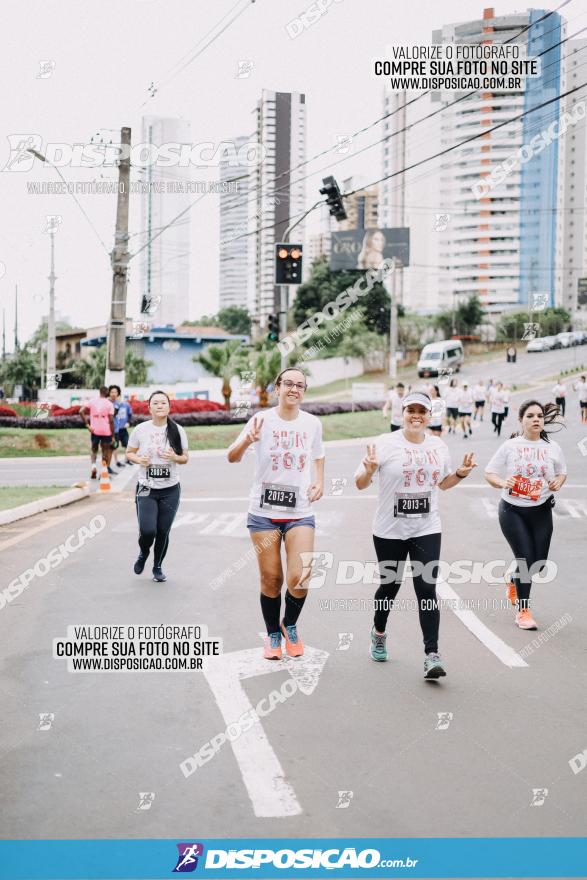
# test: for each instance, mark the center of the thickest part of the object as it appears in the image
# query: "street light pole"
(51, 357)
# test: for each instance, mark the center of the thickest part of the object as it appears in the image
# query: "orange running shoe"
(293, 643)
(512, 593)
(525, 620)
(272, 650)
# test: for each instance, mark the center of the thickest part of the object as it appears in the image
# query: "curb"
(33, 507)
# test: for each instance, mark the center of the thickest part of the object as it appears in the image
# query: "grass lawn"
(14, 496)
(74, 441)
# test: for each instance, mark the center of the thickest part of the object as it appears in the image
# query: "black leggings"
(528, 531)
(497, 419)
(393, 550)
(156, 511)
(562, 403)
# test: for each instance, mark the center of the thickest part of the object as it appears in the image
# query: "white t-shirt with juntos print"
(284, 454)
(413, 469)
(151, 440)
(536, 462)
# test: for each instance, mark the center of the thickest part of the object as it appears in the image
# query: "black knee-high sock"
(293, 607)
(271, 606)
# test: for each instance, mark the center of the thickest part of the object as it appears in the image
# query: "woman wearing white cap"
(412, 466)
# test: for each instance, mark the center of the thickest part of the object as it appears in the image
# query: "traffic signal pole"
(283, 287)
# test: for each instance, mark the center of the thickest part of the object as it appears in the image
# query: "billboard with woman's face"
(367, 248)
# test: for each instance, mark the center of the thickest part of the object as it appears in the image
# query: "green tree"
(324, 285)
(266, 365)
(22, 368)
(225, 361)
(551, 321)
(465, 318)
(40, 334)
(235, 320)
(90, 372)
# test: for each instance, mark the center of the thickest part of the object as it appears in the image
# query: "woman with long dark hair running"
(528, 468)
(157, 446)
(288, 445)
(412, 465)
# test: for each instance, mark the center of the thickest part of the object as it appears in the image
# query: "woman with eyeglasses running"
(287, 443)
(528, 468)
(412, 466)
(158, 446)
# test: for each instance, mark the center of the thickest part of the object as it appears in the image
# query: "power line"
(397, 110)
(430, 158)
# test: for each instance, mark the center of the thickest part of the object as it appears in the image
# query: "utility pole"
(3, 335)
(16, 318)
(392, 318)
(51, 367)
(116, 345)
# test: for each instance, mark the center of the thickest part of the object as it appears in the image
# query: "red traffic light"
(282, 253)
(296, 253)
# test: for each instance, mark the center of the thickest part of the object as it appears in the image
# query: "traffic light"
(333, 198)
(288, 263)
(273, 327)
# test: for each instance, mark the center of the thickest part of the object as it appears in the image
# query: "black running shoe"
(140, 564)
(158, 574)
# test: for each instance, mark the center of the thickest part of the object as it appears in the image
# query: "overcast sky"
(107, 54)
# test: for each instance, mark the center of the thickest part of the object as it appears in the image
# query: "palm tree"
(22, 368)
(266, 365)
(224, 361)
(92, 370)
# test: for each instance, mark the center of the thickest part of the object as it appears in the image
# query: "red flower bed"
(7, 410)
(191, 405)
(67, 411)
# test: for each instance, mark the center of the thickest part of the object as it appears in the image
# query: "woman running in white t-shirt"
(287, 443)
(528, 468)
(412, 466)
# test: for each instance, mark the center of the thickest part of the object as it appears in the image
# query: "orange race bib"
(527, 488)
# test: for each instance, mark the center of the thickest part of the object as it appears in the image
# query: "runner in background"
(466, 410)
(438, 412)
(98, 417)
(158, 446)
(394, 403)
(412, 467)
(497, 404)
(506, 401)
(122, 417)
(528, 468)
(451, 399)
(287, 443)
(479, 395)
(560, 396)
(581, 387)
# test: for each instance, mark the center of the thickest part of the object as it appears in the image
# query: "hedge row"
(219, 417)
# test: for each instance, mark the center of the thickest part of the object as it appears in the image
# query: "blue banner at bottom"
(286, 857)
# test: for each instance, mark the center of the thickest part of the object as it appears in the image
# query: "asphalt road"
(485, 752)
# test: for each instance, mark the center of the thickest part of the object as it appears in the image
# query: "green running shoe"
(378, 651)
(433, 667)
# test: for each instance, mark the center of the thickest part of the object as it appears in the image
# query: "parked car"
(580, 337)
(566, 339)
(552, 342)
(441, 358)
(538, 344)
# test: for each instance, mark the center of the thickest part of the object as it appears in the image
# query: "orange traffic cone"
(104, 478)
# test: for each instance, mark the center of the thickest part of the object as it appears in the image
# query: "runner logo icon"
(187, 859)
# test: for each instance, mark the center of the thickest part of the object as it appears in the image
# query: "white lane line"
(271, 794)
(505, 653)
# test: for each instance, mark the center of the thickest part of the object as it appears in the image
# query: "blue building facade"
(539, 174)
(170, 352)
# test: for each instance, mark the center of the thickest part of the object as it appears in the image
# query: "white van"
(439, 358)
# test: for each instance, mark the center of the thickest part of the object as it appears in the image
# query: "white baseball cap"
(417, 397)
